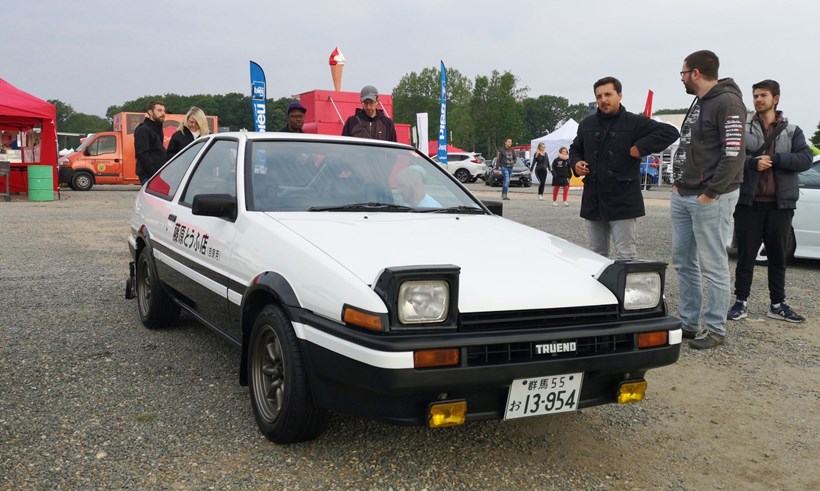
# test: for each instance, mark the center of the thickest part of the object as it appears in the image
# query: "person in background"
(607, 151)
(560, 175)
(148, 142)
(370, 122)
(505, 162)
(295, 115)
(776, 152)
(712, 138)
(540, 163)
(194, 126)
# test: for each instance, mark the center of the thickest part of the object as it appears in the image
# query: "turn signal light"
(362, 319)
(444, 414)
(652, 339)
(629, 392)
(435, 358)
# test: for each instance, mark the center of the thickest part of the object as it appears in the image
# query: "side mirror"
(215, 205)
(495, 207)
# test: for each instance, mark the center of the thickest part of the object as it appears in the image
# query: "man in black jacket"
(295, 115)
(148, 138)
(370, 122)
(776, 152)
(607, 151)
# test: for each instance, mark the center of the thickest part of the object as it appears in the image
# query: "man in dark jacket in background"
(370, 122)
(706, 182)
(776, 152)
(607, 151)
(148, 138)
(295, 115)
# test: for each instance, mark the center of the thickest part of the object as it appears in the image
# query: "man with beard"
(370, 122)
(148, 138)
(776, 152)
(607, 151)
(708, 179)
(295, 115)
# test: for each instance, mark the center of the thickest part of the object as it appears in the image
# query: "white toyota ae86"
(346, 273)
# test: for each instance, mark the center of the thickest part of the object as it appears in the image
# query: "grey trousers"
(622, 233)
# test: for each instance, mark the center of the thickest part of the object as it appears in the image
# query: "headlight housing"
(419, 298)
(642, 290)
(423, 301)
(639, 286)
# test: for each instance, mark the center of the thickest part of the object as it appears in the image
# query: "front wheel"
(155, 306)
(280, 395)
(82, 181)
(463, 175)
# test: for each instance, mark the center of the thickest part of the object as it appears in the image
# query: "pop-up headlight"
(643, 290)
(423, 301)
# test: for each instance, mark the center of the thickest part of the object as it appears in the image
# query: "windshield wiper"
(455, 209)
(369, 206)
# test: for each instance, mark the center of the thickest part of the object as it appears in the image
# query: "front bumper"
(64, 174)
(345, 382)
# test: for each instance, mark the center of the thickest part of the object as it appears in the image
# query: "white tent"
(562, 137)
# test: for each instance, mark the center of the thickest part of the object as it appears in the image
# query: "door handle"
(172, 218)
(117, 160)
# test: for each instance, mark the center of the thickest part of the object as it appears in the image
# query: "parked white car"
(347, 274)
(465, 166)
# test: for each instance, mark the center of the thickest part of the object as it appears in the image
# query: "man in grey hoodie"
(706, 185)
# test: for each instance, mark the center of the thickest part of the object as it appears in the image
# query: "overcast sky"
(93, 54)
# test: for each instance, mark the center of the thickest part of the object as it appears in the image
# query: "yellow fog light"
(450, 413)
(629, 392)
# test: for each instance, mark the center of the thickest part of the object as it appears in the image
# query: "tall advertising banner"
(442, 125)
(424, 137)
(258, 97)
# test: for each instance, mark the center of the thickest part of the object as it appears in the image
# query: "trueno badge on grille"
(551, 348)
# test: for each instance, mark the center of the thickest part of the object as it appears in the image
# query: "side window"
(811, 177)
(215, 173)
(103, 145)
(167, 180)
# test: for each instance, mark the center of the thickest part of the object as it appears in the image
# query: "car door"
(805, 223)
(201, 245)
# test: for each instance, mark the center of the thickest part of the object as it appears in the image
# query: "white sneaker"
(554, 203)
(541, 196)
(566, 204)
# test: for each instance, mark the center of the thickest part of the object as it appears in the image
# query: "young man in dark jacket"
(776, 152)
(148, 138)
(705, 184)
(607, 151)
(370, 122)
(295, 115)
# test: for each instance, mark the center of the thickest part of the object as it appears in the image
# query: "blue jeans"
(506, 173)
(699, 249)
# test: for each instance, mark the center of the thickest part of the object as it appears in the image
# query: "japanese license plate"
(543, 395)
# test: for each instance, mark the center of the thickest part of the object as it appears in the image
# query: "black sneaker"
(687, 334)
(706, 340)
(737, 312)
(785, 313)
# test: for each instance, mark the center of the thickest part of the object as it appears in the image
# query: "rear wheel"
(155, 306)
(463, 175)
(82, 181)
(278, 383)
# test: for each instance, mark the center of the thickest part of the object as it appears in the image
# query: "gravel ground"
(89, 399)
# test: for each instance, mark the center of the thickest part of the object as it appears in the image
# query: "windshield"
(326, 176)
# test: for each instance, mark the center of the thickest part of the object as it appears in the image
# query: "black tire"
(463, 175)
(155, 306)
(279, 390)
(526, 183)
(82, 181)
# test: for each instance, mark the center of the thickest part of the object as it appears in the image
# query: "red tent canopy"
(20, 111)
(433, 148)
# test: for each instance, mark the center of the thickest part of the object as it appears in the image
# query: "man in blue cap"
(295, 118)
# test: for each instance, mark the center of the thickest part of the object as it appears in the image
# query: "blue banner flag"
(258, 97)
(442, 125)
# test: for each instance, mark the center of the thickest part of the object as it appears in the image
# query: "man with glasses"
(705, 184)
(369, 121)
(295, 115)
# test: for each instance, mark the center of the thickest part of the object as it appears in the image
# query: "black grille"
(494, 354)
(537, 319)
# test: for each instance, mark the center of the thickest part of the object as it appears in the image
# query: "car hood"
(504, 265)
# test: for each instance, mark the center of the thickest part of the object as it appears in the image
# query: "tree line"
(481, 113)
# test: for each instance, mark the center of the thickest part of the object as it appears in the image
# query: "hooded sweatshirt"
(379, 127)
(712, 137)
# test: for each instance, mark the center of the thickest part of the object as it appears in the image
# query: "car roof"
(276, 135)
